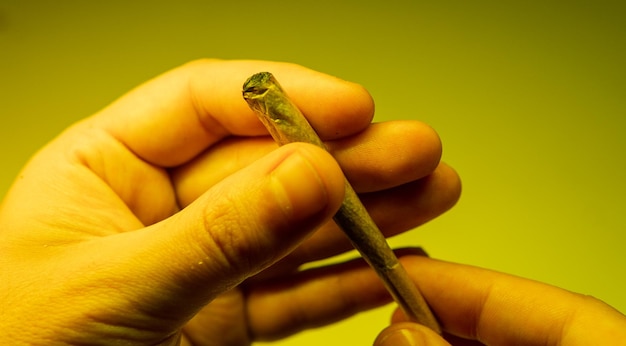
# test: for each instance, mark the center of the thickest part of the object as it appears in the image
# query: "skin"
(482, 307)
(170, 217)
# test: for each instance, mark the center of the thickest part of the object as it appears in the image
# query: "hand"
(478, 306)
(171, 217)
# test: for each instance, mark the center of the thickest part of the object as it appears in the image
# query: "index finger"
(170, 119)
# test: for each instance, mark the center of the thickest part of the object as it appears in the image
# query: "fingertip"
(335, 107)
(449, 178)
(364, 105)
(276, 202)
(308, 182)
(347, 109)
(408, 334)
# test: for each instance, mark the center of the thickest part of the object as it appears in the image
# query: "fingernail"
(298, 187)
(399, 337)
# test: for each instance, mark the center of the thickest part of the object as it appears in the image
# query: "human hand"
(481, 307)
(171, 217)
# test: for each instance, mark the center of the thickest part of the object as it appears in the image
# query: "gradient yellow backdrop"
(528, 97)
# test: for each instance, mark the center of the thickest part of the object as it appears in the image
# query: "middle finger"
(383, 156)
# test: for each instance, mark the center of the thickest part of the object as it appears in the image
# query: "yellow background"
(528, 97)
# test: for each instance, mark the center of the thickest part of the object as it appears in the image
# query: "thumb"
(234, 230)
(409, 334)
(254, 218)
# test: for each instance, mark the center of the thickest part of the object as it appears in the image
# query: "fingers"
(382, 156)
(409, 334)
(475, 306)
(500, 309)
(236, 229)
(399, 160)
(410, 205)
(399, 317)
(394, 211)
(288, 304)
(388, 155)
(172, 118)
(314, 297)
